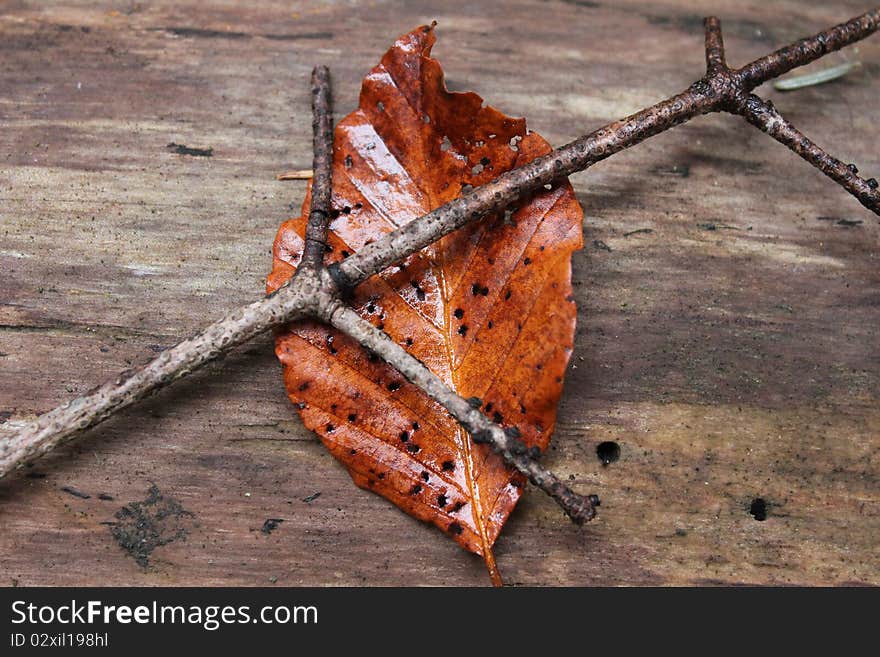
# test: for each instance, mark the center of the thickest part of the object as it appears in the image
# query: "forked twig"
(317, 291)
(717, 91)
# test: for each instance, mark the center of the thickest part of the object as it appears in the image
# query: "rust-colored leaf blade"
(488, 308)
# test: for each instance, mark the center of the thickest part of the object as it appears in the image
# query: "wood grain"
(733, 352)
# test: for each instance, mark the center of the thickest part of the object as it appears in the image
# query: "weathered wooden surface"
(729, 364)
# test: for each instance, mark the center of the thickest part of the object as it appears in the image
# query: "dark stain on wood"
(142, 527)
(270, 525)
(182, 149)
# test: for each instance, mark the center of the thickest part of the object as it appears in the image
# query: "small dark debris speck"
(639, 231)
(143, 526)
(311, 498)
(76, 493)
(270, 525)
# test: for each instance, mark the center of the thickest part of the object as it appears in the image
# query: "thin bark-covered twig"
(719, 90)
(316, 291)
(715, 58)
(809, 49)
(288, 303)
(56, 426)
(506, 443)
(763, 115)
(322, 129)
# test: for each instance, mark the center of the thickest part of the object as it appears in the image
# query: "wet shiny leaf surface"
(488, 308)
